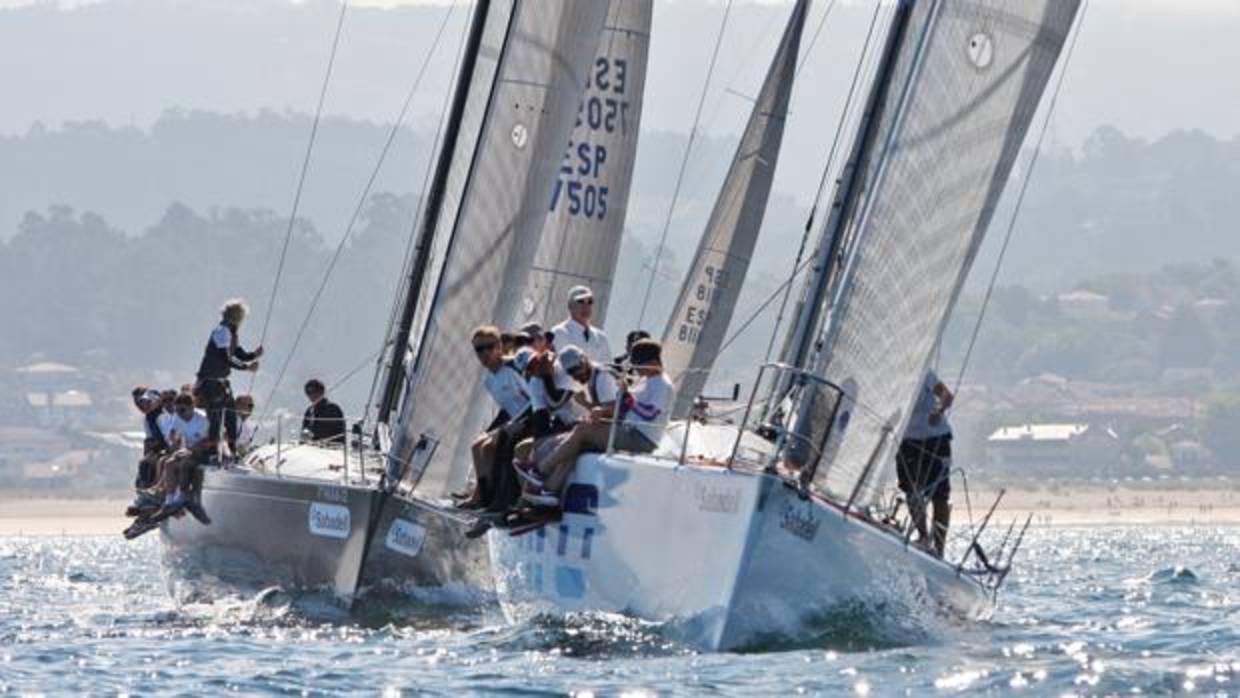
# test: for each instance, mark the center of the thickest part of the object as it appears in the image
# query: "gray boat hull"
(308, 535)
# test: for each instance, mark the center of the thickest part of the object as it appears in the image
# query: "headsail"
(970, 77)
(703, 310)
(526, 88)
(581, 240)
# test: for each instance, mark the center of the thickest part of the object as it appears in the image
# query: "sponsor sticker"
(800, 521)
(719, 500)
(405, 537)
(330, 520)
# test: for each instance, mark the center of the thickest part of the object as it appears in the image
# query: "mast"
(430, 217)
(523, 103)
(801, 336)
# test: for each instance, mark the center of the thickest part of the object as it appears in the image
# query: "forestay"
(968, 83)
(581, 239)
(703, 310)
(524, 95)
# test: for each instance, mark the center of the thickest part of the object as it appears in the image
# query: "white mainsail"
(580, 241)
(708, 295)
(967, 84)
(524, 93)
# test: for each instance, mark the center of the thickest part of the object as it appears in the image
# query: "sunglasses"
(584, 301)
(479, 348)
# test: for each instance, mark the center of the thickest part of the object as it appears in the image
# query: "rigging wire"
(301, 180)
(1020, 197)
(826, 170)
(697, 117)
(357, 211)
(417, 217)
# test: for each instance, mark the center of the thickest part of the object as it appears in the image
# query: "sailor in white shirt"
(188, 426)
(643, 415)
(551, 389)
(923, 462)
(186, 434)
(506, 384)
(599, 386)
(578, 331)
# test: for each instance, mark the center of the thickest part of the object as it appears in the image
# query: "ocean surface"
(1088, 611)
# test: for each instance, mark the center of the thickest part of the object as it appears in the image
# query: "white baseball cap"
(578, 293)
(571, 358)
(521, 359)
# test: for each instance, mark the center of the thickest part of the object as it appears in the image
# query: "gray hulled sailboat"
(309, 516)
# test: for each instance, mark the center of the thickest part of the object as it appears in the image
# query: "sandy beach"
(39, 516)
(1053, 504)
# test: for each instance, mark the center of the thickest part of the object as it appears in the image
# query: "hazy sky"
(1146, 66)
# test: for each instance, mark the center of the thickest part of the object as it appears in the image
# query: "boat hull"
(271, 531)
(725, 558)
(305, 534)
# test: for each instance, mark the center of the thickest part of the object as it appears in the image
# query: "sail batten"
(969, 79)
(712, 285)
(526, 86)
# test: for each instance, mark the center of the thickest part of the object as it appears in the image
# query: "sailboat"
(532, 77)
(734, 534)
(707, 299)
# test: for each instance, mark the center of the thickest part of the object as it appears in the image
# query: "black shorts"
(924, 465)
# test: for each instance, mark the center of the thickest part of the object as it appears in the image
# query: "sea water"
(1102, 610)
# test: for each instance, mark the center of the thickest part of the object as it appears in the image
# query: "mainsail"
(580, 241)
(969, 80)
(525, 90)
(708, 295)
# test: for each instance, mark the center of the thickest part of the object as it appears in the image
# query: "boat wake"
(586, 635)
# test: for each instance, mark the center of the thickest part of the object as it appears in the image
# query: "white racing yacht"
(738, 533)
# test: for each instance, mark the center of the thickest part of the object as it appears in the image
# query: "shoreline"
(1053, 505)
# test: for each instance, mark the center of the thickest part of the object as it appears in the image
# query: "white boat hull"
(728, 558)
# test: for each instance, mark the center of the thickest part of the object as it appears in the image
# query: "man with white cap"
(600, 386)
(577, 331)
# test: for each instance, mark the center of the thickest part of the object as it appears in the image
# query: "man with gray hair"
(222, 354)
(577, 331)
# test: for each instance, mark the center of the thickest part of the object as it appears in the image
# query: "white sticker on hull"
(330, 520)
(405, 537)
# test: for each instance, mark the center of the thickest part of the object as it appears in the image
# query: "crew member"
(642, 413)
(189, 441)
(323, 421)
(508, 388)
(630, 339)
(224, 353)
(578, 331)
(923, 463)
(599, 385)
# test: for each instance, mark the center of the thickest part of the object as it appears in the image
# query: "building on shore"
(1055, 450)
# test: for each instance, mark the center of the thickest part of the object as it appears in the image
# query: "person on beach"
(923, 462)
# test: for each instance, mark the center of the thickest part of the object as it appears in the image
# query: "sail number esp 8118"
(714, 281)
(580, 187)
